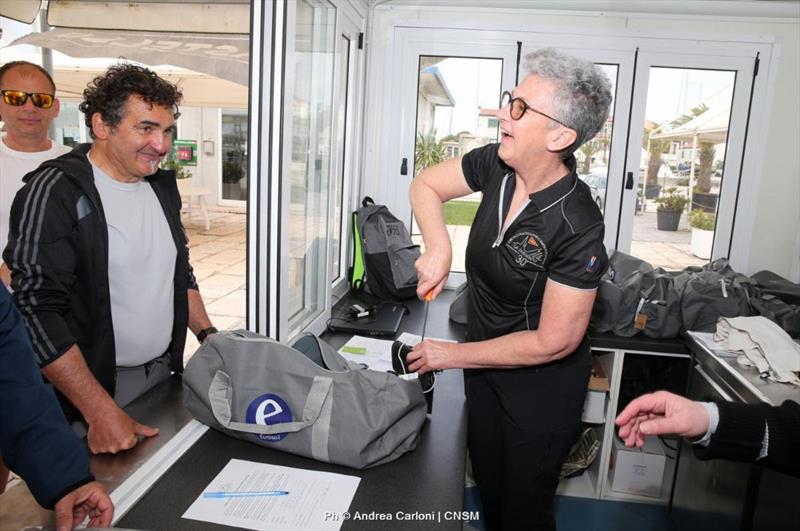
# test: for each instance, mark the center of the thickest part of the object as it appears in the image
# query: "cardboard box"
(598, 381)
(594, 407)
(638, 470)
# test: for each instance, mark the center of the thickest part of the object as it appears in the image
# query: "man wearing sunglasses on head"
(27, 108)
(533, 261)
(100, 260)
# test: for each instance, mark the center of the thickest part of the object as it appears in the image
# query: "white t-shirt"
(141, 269)
(14, 165)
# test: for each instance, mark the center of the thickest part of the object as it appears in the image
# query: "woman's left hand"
(430, 356)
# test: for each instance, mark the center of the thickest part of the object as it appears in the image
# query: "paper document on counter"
(413, 339)
(261, 496)
(376, 354)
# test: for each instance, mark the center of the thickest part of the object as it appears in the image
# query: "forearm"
(70, 375)
(429, 213)
(518, 349)
(198, 318)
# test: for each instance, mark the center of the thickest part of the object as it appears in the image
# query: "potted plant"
(171, 162)
(670, 207)
(702, 225)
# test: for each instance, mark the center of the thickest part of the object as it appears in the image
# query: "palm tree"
(588, 150)
(706, 153)
(428, 151)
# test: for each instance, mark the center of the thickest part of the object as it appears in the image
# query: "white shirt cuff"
(713, 421)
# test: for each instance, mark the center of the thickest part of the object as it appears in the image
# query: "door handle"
(629, 181)
(404, 167)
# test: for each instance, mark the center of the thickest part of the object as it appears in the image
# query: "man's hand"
(5, 274)
(111, 430)
(661, 413)
(87, 500)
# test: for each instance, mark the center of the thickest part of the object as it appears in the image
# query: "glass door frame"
(220, 160)
(401, 105)
(743, 66)
(349, 146)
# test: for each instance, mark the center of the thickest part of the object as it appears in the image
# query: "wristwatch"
(205, 332)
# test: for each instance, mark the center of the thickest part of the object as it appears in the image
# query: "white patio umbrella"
(199, 90)
(209, 37)
(711, 126)
(222, 56)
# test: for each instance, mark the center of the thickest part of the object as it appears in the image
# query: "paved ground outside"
(662, 248)
(219, 257)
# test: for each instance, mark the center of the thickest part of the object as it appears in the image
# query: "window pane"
(592, 157)
(234, 155)
(682, 164)
(312, 106)
(457, 106)
(339, 179)
(68, 124)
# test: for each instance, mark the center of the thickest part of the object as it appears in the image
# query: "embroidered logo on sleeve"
(527, 248)
(591, 264)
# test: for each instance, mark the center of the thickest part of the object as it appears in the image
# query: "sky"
(476, 83)
(473, 83)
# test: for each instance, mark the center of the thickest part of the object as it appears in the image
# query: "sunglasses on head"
(17, 98)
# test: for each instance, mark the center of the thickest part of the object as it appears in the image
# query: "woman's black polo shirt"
(558, 235)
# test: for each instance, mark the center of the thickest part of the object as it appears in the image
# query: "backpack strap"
(357, 270)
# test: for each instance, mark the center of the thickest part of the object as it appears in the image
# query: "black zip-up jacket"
(58, 255)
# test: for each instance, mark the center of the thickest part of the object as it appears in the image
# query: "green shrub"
(672, 200)
(701, 220)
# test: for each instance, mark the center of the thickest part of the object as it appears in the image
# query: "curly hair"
(25, 64)
(108, 94)
(582, 92)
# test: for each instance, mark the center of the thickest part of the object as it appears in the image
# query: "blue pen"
(243, 494)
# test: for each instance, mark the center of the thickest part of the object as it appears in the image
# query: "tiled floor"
(662, 248)
(218, 257)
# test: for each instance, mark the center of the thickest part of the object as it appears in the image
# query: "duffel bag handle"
(220, 393)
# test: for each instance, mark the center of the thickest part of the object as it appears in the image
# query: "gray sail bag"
(304, 399)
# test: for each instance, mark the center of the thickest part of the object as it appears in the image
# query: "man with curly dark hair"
(100, 261)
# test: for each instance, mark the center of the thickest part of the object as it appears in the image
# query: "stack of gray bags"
(634, 297)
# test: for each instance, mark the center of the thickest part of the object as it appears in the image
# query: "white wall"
(775, 240)
(199, 124)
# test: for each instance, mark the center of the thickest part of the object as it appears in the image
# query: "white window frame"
(722, 45)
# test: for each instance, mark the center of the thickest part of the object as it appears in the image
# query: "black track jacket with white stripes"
(58, 255)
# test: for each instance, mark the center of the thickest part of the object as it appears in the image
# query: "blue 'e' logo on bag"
(266, 410)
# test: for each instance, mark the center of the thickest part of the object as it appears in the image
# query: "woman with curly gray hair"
(534, 259)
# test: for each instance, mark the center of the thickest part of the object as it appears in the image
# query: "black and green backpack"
(383, 254)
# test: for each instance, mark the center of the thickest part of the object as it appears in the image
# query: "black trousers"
(521, 426)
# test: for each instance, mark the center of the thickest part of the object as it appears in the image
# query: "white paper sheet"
(261, 496)
(376, 354)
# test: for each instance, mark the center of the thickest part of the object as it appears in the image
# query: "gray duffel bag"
(305, 399)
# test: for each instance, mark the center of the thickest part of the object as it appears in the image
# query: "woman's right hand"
(432, 270)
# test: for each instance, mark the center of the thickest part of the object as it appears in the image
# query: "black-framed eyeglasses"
(17, 98)
(519, 106)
